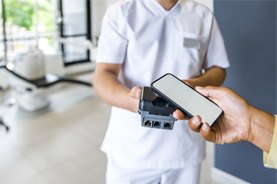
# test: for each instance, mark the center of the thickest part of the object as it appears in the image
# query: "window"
(2, 47)
(25, 24)
(38, 23)
(76, 28)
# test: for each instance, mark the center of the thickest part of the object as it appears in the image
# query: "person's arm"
(110, 90)
(262, 126)
(240, 121)
(213, 76)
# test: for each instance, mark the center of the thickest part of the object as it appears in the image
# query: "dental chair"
(2, 124)
(31, 85)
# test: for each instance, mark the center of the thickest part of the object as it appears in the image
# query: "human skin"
(110, 90)
(240, 121)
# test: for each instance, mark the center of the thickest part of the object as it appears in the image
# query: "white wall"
(99, 7)
(98, 10)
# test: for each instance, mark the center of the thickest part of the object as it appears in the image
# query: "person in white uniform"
(140, 41)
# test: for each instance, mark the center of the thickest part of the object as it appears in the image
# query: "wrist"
(262, 126)
(250, 118)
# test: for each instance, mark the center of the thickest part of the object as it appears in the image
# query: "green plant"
(22, 14)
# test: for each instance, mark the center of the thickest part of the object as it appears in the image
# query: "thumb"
(213, 93)
(135, 92)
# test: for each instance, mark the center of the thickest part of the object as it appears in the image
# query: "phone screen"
(186, 98)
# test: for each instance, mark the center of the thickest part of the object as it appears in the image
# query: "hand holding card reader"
(185, 98)
(155, 111)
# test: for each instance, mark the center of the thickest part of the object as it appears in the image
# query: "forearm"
(214, 76)
(110, 90)
(262, 127)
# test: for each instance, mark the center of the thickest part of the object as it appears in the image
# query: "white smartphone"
(188, 100)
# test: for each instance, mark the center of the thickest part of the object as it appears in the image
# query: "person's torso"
(161, 41)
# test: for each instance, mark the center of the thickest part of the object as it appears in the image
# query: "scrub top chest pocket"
(193, 43)
(189, 46)
(189, 31)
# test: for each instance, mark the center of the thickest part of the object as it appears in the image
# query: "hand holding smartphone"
(188, 100)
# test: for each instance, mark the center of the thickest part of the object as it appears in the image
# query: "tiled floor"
(60, 145)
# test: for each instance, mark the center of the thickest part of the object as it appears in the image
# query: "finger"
(207, 133)
(190, 83)
(138, 92)
(135, 92)
(178, 115)
(195, 123)
(214, 93)
(206, 91)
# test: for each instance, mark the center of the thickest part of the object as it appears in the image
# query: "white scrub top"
(149, 41)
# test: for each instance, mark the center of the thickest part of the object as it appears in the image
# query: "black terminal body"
(155, 111)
